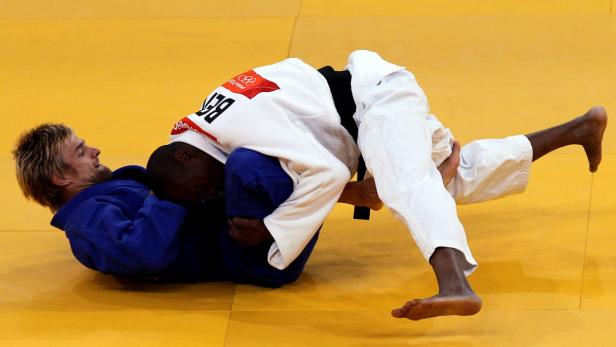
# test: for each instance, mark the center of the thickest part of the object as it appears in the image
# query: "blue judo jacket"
(118, 227)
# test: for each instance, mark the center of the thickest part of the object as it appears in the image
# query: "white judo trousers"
(402, 145)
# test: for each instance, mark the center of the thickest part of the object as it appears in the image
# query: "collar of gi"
(129, 173)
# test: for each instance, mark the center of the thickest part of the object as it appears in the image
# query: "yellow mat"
(122, 72)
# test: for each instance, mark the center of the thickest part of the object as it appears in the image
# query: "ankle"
(458, 288)
(448, 265)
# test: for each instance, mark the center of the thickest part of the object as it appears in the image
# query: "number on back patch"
(214, 107)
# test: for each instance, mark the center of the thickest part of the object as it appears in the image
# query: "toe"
(403, 311)
(397, 313)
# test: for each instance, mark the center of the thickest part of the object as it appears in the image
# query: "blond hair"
(37, 158)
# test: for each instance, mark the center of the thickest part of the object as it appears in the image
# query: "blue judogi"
(118, 227)
(255, 185)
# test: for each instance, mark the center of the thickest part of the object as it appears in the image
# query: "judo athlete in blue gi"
(116, 226)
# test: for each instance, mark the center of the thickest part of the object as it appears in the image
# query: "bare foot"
(439, 305)
(591, 135)
(449, 168)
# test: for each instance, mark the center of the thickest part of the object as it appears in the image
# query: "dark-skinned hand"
(248, 231)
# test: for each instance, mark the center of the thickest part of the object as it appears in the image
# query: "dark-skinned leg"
(586, 130)
(455, 297)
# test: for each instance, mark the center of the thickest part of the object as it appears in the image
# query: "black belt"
(340, 86)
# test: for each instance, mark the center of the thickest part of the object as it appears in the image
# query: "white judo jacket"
(284, 110)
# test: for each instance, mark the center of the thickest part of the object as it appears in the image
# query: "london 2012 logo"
(246, 79)
(250, 84)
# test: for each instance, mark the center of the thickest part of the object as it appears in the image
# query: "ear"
(182, 155)
(60, 180)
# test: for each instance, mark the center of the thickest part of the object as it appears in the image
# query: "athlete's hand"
(248, 231)
(363, 193)
(449, 168)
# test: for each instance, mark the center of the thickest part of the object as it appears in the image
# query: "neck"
(70, 191)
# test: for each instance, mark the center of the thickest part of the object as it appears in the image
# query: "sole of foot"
(445, 305)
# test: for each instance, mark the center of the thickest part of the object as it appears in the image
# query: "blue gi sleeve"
(255, 184)
(109, 236)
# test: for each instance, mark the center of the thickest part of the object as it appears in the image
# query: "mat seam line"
(592, 178)
(28, 231)
(229, 318)
(299, 10)
(102, 19)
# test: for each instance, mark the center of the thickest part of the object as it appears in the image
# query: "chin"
(103, 174)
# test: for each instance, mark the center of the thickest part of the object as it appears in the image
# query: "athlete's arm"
(252, 231)
(107, 237)
(255, 185)
(249, 231)
(363, 193)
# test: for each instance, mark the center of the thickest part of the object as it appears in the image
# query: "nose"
(95, 152)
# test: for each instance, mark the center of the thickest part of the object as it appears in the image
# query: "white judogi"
(286, 110)
(403, 144)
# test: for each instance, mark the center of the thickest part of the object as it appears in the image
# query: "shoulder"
(123, 193)
(130, 172)
(243, 159)
(246, 166)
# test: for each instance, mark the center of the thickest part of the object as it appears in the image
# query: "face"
(201, 180)
(83, 165)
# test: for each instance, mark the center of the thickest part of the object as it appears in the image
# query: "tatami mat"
(122, 72)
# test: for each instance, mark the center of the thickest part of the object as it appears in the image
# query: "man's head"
(184, 174)
(53, 164)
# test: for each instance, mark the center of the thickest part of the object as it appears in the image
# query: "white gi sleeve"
(294, 222)
(318, 177)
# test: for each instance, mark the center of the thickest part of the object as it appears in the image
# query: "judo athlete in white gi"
(286, 110)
